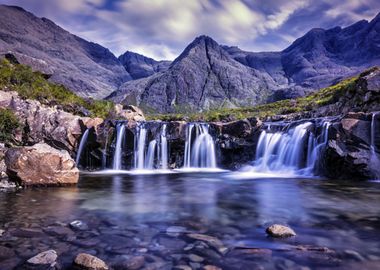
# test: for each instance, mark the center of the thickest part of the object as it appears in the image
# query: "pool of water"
(196, 219)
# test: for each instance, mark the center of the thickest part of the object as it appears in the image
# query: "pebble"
(132, 263)
(175, 230)
(211, 267)
(280, 231)
(88, 262)
(195, 258)
(78, 225)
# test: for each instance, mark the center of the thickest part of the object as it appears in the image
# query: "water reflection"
(338, 215)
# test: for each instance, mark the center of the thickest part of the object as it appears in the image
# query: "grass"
(33, 85)
(323, 97)
(8, 123)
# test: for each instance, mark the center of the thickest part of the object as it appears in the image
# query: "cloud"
(162, 28)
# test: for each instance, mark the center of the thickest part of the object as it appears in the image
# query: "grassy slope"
(33, 85)
(325, 96)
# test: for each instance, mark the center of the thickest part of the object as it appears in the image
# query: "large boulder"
(40, 164)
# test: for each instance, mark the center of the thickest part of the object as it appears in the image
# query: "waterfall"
(164, 148)
(140, 147)
(117, 158)
(200, 150)
(296, 150)
(82, 144)
(375, 160)
(149, 162)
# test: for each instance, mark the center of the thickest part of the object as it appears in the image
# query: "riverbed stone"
(129, 263)
(43, 260)
(6, 253)
(280, 231)
(78, 225)
(86, 261)
(40, 165)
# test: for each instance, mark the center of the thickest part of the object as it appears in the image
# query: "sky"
(161, 29)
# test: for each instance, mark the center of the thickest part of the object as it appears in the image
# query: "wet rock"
(175, 230)
(78, 225)
(58, 231)
(280, 231)
(211, 267)
(6, 253)
(131, 263)
(212, 241)
(182, 267)
(86, 261)
(172, 243)
(27, 233)
(40, 165)
(195, 258)
(43, 260)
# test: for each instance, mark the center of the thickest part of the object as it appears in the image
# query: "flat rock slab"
(88, 262)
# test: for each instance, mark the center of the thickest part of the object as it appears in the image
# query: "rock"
(132, 263)
(211, 267)
(280, 231)
(195, 258)
(131, 113)
(40, 165)
(27, 233)
(359, 128)
(212, 241)
(175, 230)
(46, 124)
(6, 253)
(43, 260)
(78, 225)
(88, 262)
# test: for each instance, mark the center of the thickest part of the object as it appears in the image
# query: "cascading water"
(164, 148)
(82, 145)
(140, 147)
(296, 151)
(375, 159)
(117, 158)
(149, 162)
(199, 150)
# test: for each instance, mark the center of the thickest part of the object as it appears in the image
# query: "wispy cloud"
(162, 28)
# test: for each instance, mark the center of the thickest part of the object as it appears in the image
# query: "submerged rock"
(43, 260)
(88, 262)
(280, 231)
(78, 225)
(40, 164)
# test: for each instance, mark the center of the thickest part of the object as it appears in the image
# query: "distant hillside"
(86, 68)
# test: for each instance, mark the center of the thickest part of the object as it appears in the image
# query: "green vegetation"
(8, 123)
(325, 96)
(34, 85)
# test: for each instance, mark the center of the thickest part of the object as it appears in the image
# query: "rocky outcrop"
(350, 153)
(86, 68)
(140, 66)
(40, 165)
(41, 123)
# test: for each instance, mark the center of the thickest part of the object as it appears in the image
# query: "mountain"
(87, 68)
(207, 75)
(140, 66)
(319, 58)
(203, 76)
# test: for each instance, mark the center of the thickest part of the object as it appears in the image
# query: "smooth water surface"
(337, 223)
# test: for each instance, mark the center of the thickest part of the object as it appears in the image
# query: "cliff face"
(86, 68)
(140, 66)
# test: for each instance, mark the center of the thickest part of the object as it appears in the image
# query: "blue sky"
(162, 28)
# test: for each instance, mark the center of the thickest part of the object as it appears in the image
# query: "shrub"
(8, 124)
